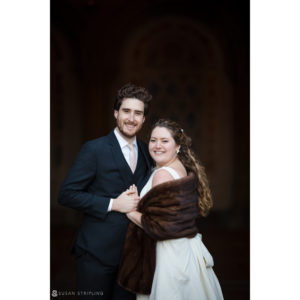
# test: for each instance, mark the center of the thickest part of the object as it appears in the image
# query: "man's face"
(130, 117)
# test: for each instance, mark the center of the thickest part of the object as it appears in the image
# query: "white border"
(275, 149)
(24, 117)
(25, 125)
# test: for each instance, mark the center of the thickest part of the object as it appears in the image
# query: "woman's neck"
(171, 163)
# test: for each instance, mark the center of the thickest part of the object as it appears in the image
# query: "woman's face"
(162, 146)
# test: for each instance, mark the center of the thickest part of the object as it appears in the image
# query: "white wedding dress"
(183, 268)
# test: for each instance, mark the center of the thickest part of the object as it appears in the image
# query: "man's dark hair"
(130, 90)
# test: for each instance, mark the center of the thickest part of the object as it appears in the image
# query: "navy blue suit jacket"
(99, 173)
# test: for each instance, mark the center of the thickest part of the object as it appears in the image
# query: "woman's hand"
(133, 190)
(134, 215)
(127, 201)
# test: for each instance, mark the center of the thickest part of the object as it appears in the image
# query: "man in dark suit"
(96, 185)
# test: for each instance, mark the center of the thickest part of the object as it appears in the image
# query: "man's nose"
(131, 117)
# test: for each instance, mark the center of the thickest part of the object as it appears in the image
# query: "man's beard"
(125, 134)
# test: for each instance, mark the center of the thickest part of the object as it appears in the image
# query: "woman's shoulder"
(169, 173)
(161, 175)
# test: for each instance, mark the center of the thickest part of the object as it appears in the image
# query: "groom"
(103, 170)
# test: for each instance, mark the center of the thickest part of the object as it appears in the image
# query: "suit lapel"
(140, 159)
(146, 157)
(119, 159)
(144, 152)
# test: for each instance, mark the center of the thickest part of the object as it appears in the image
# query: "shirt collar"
(122, 142)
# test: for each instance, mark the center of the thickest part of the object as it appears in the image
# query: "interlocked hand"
(127, 201)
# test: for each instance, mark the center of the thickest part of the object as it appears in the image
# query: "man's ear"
(116, 113)
(144, 119)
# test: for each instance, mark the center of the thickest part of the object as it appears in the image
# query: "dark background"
(194, 58)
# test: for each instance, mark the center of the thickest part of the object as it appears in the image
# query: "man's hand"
(127, 201)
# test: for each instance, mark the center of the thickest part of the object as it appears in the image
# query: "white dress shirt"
(125, 150)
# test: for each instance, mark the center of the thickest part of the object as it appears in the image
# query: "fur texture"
(169, 212)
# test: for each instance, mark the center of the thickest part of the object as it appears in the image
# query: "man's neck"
(130, 140)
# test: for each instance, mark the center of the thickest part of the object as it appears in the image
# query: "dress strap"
(171, 171)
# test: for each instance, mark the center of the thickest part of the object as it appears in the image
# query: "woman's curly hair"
(191, 163)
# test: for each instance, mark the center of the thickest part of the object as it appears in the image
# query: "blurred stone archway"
(182, 64)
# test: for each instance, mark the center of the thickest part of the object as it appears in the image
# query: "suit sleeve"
(74, 191)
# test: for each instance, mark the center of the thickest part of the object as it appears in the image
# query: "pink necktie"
(132, 157)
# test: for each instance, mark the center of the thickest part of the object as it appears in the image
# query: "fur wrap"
(169, 211)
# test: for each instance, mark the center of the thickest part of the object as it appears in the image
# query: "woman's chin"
(157, 159)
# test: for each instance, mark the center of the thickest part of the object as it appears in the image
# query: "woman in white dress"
(182, 265)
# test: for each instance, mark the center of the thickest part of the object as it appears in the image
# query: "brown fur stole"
(169, 211)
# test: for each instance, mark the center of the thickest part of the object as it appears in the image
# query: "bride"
(163, 256)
